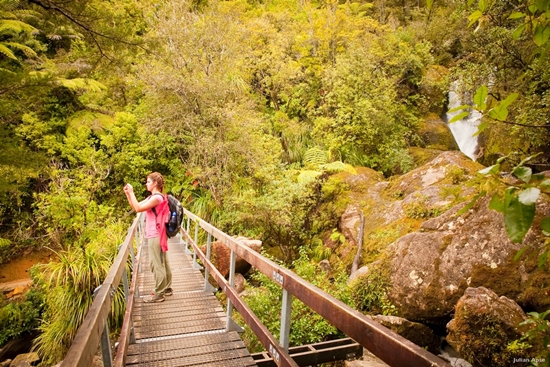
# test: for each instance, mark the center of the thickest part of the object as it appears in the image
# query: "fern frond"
(29, 52)
(15, 27)
(26, 13)
(7, 52)
(82, 83)
(2, 70)
(4, 15)
(315, 156)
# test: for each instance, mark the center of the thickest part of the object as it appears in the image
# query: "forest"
(247, 107)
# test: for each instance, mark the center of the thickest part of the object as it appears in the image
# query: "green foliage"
(419, 209)
(369, 292)
(518, 201)
(69, 283)
(538, 335)
(14, 34)
(532, 16)
(230, 100)
(360, 121)
(19, 317)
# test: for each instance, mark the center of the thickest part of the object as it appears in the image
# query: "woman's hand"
(128, 189)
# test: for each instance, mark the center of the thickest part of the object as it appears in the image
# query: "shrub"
(369, 292)
(17, 318)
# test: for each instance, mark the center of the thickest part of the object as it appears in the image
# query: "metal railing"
(379, 340)
(95, 327)
(382, 342)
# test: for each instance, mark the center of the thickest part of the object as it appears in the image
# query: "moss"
(503, 280)
(446, 241)
(422, 156)
(484, 340)
(536, 294)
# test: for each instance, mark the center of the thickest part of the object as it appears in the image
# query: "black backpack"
(176, 216)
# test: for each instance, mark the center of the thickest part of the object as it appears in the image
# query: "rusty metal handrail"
(387, 345)
(126, 331)
(87, 339)
(282, 357)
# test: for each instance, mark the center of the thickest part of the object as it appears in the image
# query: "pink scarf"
(162, 214)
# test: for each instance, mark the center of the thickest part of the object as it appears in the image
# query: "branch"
(65, 13)
(545, 126)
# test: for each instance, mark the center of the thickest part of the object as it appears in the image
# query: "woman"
(158, 259)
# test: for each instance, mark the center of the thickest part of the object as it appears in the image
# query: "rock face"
(220, 255)
(483, 325)
(432, 268)
(436, 254)
(435, 134)
(419, 193)
(417, 333)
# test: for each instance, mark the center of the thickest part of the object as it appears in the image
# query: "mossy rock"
(422, 156)
(435, 134)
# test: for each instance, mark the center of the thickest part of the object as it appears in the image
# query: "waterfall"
(463, 130)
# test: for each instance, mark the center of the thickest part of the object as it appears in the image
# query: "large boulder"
(431, 268)
(411, 198)
(220, 255)
(482, 327)
(435, 134)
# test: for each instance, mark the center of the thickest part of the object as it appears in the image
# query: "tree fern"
(15, 27)
(14, 31)
(82, 84)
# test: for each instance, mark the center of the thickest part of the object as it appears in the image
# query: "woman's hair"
(157, 177)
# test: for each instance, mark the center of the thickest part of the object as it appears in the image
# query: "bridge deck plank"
(188, 328)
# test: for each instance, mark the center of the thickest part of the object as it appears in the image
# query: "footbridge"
(190, 328)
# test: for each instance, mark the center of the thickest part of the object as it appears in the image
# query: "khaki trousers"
(159, 266)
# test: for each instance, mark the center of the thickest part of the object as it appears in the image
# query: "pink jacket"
(162, 214)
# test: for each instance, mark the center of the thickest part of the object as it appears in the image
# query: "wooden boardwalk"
(188, 328)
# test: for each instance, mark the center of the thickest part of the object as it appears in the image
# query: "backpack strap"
(153, 209)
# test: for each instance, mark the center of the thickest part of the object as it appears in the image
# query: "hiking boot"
(154, 298)
(168, 292)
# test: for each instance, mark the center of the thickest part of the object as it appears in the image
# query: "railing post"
(106, 350)
(142, 241)
(187, 251)
(207, 286)
(195, 263)
(125, 285)
(285, 319)
(231, 325)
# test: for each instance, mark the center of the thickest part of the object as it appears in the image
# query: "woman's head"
(155, 178)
